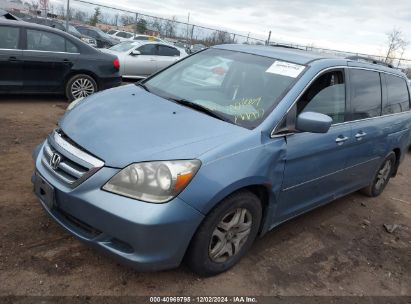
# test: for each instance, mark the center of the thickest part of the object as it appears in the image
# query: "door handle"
(66, 61)
(360, 135)
(341, 140)
(13, 59)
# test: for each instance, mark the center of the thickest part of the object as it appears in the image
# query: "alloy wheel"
(383, 175)
(82, 87)
(230, 235)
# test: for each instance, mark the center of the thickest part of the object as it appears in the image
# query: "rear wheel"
(382, 177)
(79, 86)
(226, 234)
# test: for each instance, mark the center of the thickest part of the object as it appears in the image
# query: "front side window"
(397, 95)
(237, 87)
(167, 51)
(148, 49)
(45, 41)
(326, 96)
(365, 93)
(9, 37)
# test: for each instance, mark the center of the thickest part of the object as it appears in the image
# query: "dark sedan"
(103, 40)
(39, 59)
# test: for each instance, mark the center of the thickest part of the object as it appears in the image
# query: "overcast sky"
(350, 25)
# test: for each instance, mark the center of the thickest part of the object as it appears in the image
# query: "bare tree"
(396, 43)
(170, 27)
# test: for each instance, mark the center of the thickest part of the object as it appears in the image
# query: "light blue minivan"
(196, 161)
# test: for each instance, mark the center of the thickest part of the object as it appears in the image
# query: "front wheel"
(382, 177)
(80, 85)
(225, 235)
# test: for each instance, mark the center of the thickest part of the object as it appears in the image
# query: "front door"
(11, 75)
(144, 64)
(315, 163)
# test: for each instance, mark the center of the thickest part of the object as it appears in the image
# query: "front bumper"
(145, 236)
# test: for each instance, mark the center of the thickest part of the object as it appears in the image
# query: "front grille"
(68, 162)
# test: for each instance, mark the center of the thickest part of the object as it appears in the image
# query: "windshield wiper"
(140, 84)
(198, 107)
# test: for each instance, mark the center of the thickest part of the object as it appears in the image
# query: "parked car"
(122, 35)
(39, 59)
(197, 47)
(111, 32)
(138, 59)
(168, 169)
(57, 24)
(6, 15)
(148, 38)
(103, 40)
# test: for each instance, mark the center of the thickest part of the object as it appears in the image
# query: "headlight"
(154, 182)
(73, 103)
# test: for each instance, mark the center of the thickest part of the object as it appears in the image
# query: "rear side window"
(365, 94)
(397, 95)
(45, 41)
(70, 47)
(148, 49)
(9, 37)
(326, 96)
(124, 35)
(167, 51)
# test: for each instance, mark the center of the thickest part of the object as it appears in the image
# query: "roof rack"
(370, 60)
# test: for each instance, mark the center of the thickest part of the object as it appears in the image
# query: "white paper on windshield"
(230, 110)
(285, 69)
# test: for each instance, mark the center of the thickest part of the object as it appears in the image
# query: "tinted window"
(70, 47)
(123, 35)
(111, 32)
(327, 96)
(397, 93)
(45, 41)
(91, 33)
(58, 26)
(148, 49)
(365, 93)
(9, 37)
(167, 51)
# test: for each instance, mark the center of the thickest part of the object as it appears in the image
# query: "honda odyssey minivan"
(173, 168)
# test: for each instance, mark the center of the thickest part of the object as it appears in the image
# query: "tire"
(382, 176)
(208, 254)
(80, 85)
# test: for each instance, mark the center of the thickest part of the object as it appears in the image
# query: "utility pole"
(67, 15)
(269, 37)
(248, 36)
(188, 21)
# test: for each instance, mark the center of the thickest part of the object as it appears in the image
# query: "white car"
(139, 59)
(121, 35)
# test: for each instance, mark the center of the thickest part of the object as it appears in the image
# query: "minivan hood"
(128, 124)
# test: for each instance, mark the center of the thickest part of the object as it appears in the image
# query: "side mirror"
(313, 122)
(135, 53)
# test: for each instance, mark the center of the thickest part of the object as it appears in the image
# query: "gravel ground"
(340, 249)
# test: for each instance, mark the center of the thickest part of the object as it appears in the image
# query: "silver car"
(139, 59)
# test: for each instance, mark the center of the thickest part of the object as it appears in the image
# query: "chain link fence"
(172, 29)
(109, 17)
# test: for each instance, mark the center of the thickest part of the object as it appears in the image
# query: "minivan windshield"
(240, 88)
